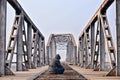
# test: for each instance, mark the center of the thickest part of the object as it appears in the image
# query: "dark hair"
(57, 56)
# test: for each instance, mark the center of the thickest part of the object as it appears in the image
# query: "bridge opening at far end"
(62, 54)
(64, 45)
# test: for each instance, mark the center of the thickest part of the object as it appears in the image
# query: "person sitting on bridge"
(56, 67)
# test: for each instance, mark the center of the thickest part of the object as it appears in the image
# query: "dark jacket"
(55, 64)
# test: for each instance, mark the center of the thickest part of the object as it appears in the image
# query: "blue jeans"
(59, 70)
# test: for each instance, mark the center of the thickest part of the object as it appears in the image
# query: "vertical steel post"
(53, 45)
(44, 51)
(3, 6)
(20, 44)
(29, 44)
(82, 51)
(85, 49)
(69, 52)
(39, 51)
(92, 42)
(78, 54)
(47, 55)
(102, 48)
(75, 54)
(35, 50)
(118, 35)
(50, 53)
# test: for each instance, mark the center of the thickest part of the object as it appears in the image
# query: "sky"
(59, 16)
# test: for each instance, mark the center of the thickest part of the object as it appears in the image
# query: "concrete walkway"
(87, 73)
(94, 75)
(26, 75)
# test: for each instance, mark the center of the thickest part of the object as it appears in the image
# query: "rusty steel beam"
(3, 6)
(102, 9)
(18, 8)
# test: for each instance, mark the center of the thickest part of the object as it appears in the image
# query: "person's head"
(57, 56)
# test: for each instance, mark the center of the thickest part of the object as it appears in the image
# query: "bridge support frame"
(67, 42)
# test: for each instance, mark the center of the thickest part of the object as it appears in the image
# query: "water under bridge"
(27, 57)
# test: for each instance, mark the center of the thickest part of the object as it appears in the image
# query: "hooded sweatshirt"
(56, 62)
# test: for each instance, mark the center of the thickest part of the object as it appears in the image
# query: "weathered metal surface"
(102, 46)
(39, 52)
(20, 44)
(53, 47)
(3, 6)
(35, 49)
(104, 6)
(92, 42)
(29, 41)
(102, 49)
(44, 53)
(18, 8)
(23, 49)
(92, 49)
(118, 35)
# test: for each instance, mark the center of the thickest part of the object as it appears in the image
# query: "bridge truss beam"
(96, 45)
(26, 42)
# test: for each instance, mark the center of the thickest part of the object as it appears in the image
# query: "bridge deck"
(94, 75)
(69, 74)
(26, 75)
(33, 73)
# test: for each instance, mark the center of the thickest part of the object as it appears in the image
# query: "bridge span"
(95, 56)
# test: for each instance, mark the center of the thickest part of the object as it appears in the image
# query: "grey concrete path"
(87, 73)
(94, 75)
(26, 75)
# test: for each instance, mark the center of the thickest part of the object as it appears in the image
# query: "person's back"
(56, 67)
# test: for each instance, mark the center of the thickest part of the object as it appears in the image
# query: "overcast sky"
(60, 16)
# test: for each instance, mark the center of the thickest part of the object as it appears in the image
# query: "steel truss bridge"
(27, 43)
